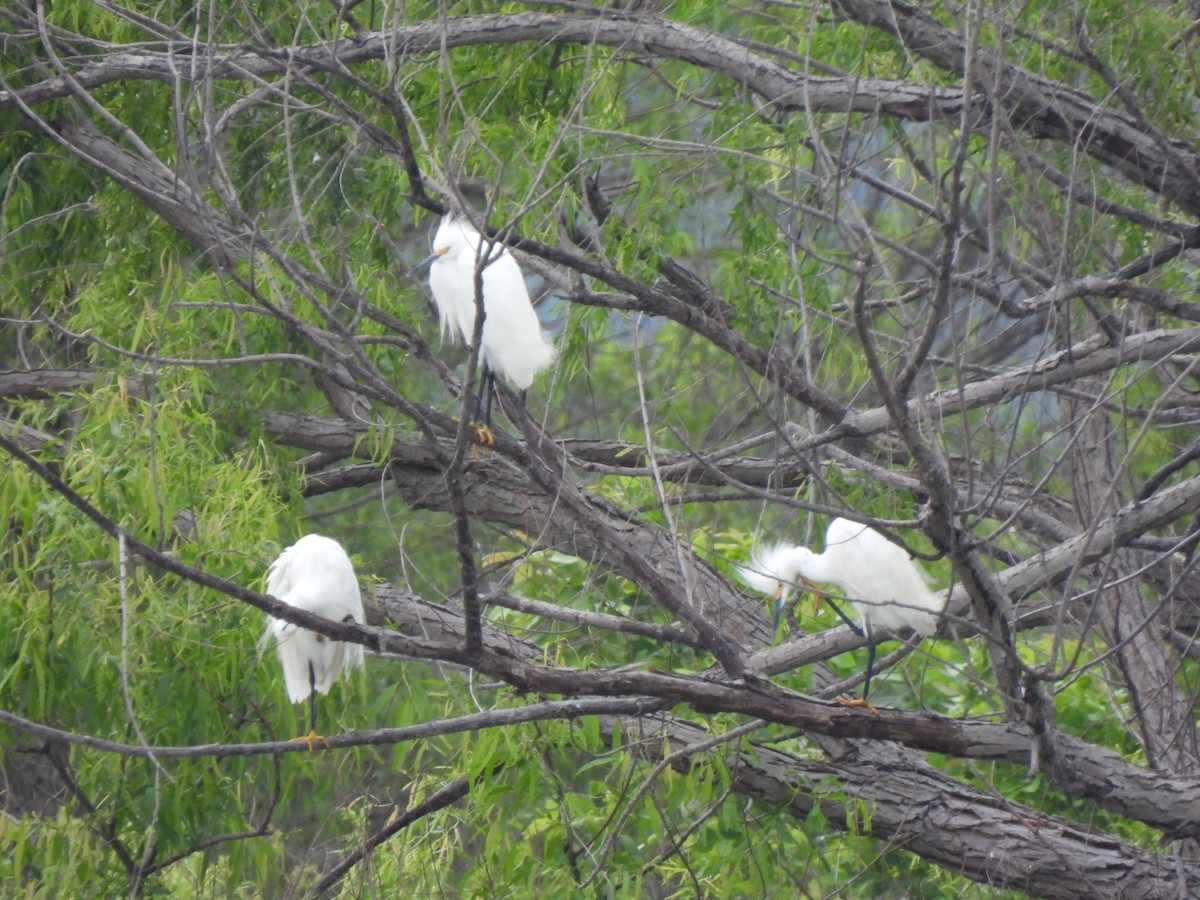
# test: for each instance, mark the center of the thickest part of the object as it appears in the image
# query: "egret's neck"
(819, 568)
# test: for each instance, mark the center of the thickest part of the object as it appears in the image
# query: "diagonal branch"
(1034, 104)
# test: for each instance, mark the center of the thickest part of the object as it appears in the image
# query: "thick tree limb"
(892, 820)
(1036, 105)
(1044, 108)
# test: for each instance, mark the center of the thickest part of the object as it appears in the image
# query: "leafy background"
(773, 211)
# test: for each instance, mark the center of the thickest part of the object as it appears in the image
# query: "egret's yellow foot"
(862, 702)
(311, 738)
(483, 434)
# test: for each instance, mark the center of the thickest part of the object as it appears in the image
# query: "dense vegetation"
(928, 266)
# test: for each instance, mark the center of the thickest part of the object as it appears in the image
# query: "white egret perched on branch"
(316, 575)
(880, 580)
(512, 344)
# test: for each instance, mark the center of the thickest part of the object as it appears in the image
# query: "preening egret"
(316, 575)
(880, 580)
(513, 344)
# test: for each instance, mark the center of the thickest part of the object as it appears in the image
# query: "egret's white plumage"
(513, 344)
(316, 575)
(882, 583)
(880, 580)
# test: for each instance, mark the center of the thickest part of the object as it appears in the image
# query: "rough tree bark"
(1093, 563)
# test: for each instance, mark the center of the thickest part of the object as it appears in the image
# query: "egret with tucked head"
(880, 580)
(316, 575)
(513, 345)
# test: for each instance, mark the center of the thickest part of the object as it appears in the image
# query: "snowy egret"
(513, 344)
(879, 579)
(316, 575)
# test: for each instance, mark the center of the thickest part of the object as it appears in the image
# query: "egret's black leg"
(870, 666)
(845, 618)
(483, 400)
(312, 737)
(312, 697)
(483, 408)
(776, 615)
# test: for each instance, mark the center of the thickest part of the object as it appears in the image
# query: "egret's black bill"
(422, 265)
